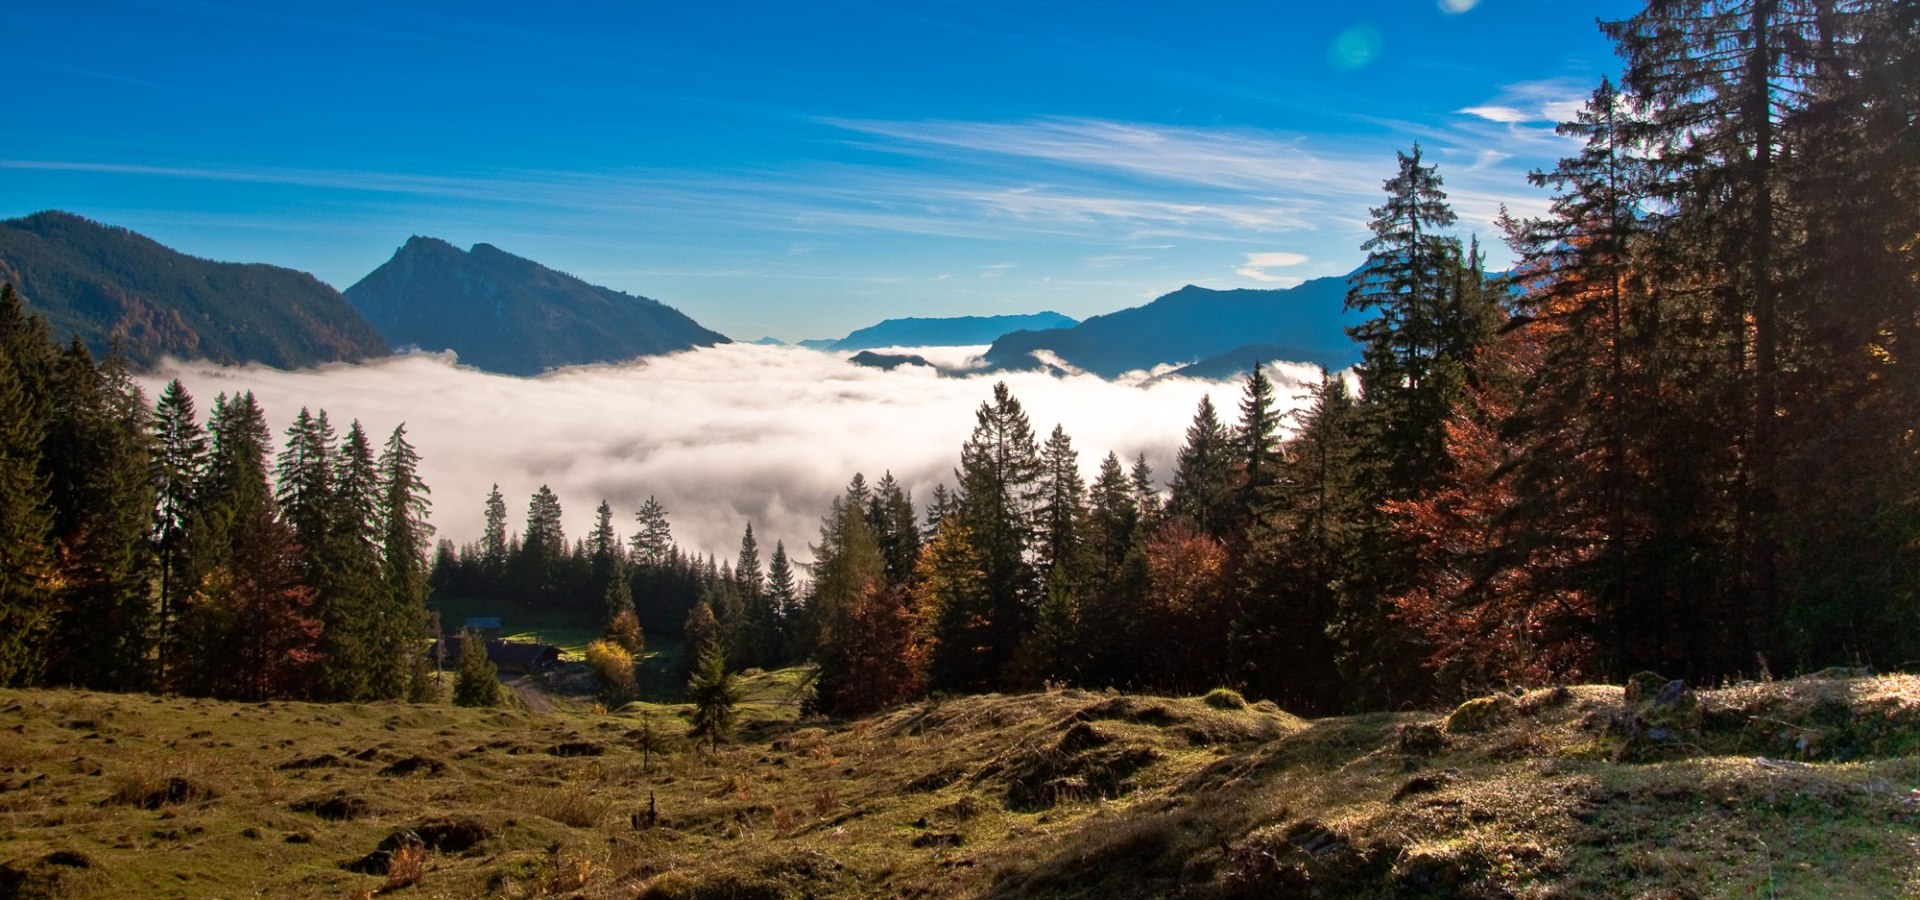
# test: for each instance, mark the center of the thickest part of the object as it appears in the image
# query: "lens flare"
(1355, 48)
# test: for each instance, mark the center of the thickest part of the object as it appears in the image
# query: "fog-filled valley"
(721, 436)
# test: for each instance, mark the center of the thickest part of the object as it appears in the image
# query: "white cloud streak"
(722, 436)
(1257, 265)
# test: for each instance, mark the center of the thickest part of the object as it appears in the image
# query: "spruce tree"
(999, 479)
(1300, 549)
(783, 598)
(1062, 512)
(1146, 497)
(179, 460)
(26, 561)
(604, 550)
(477, 681)
(1256, 443)
(715, 694)
(96, 456)
(1203, 490)
(405, 534)
(538, 565)
(760, 637)
(653, 543)
(493, 541)
(895, 527)
(360, 661)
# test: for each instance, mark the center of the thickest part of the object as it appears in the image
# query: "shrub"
(612, 666)
(624, 630)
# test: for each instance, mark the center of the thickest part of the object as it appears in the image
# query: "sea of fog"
(722, 436)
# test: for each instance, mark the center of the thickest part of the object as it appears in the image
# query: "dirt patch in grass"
(413, 765)
(334, 808)
(152, 793)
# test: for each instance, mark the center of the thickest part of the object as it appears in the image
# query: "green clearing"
(1795, 789)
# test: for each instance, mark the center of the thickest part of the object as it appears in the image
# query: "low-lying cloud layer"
(722, 436)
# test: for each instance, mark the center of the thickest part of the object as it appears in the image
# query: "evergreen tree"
(538, 566)
(96, 456)
(1203, 473)
(477, 681)
(783, 598)
(653, 543)
(619, 596)
(233, 495)
(1256, 443)
(604, 549)
(1300, 549)
(358, 662)
(939, 506)
(404, 507)
(762, 644)
(1406, 384)
(1062, 511)
(179, 462)
(714, 693)
(304, 479)
(493, 541)
(1113, 522)
(26, 561)
(895, 527)
(999, 480)
(1146, 497)
(1430, 316)
(847, 563)
(1717, 80)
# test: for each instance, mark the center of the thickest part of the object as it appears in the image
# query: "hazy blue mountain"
(104, 284)
(1195, 325)
(957, 331)
(506, 314)
(770, 342)
(1240, 360)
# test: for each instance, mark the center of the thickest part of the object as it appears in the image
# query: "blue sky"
(791, 169)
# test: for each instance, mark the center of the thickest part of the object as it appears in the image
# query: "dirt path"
(528, 689)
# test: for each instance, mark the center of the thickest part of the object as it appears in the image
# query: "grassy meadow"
(1792, 789)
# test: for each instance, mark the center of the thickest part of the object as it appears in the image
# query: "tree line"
(147, 550)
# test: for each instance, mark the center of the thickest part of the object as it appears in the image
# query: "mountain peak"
(106, 284)
(504, 313)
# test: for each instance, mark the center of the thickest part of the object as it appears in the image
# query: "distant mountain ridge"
(109, 285)
(503, 313)
(955, 331)
(1201, 328)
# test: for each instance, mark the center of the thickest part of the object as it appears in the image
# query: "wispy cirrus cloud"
(1205, 157)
